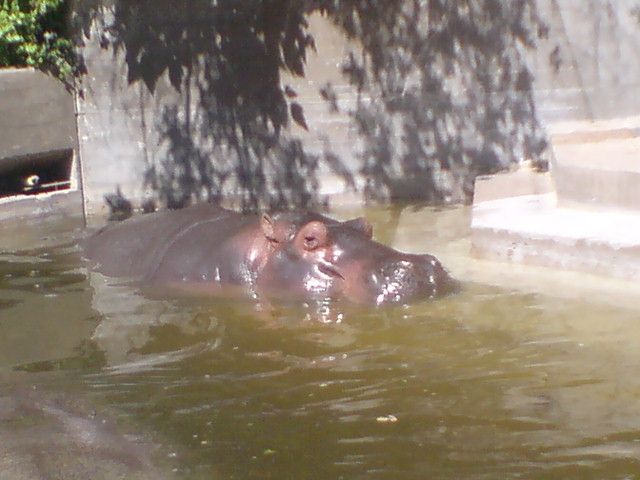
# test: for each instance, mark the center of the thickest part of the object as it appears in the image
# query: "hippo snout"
(413, 277)
(444, 282)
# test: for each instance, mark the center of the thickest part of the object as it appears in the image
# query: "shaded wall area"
(270, 103)
(205, 100)
(183, 100)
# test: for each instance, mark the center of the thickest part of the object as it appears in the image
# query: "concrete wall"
(587, 69)
(37, 123)
(589, 66)
(116, 127)
(120, 124)
(37, 114)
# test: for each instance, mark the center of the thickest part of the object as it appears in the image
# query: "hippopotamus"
(204, 248)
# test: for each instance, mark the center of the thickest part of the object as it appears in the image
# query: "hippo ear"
(360, 224)
(268, 227)
(313, 235)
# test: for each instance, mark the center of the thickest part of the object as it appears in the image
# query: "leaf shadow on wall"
(227, 133)
(443, 94)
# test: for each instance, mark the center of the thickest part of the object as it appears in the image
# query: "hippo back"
(134, 248)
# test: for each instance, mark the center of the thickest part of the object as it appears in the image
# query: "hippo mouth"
(330, 270)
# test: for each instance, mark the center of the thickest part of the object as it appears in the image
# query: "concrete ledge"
(598, 166)
(38, 142)
(39, 221)
(520, 182)
(534, 230)
(49, 206)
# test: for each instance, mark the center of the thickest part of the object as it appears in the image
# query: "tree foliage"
(33, 33)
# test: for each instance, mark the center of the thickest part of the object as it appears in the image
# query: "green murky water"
(495, 382)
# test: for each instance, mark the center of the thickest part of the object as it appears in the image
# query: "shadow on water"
(442, 93)
(47, 433)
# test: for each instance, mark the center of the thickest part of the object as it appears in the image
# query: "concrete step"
(583, 216)
(536, 230)
(597, 165)
(511, 184)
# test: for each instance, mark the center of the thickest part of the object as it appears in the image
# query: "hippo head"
(318, 257)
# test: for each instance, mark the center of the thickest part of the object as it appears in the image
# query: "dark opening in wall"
(34, 174)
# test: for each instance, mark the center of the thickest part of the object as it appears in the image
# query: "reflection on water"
(490, 383)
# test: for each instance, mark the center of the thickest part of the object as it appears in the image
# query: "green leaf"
(32, 33)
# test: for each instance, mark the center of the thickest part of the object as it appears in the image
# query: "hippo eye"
(310, 242)
(313, 235)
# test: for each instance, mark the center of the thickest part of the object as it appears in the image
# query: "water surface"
(530, 378)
